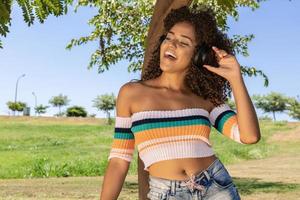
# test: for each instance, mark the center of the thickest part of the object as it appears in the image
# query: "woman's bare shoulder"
(128, 94)
(132, 87)
(138, 86)
(127, 91)
(206, 103)
(210, 105)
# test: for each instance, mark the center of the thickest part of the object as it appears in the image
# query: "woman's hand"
(229, 68)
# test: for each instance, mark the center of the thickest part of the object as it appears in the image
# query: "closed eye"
(181, 43)
(184, 43)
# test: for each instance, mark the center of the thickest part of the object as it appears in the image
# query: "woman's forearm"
(246, 115)
(114, 178)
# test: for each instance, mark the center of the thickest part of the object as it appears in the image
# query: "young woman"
(168, 115)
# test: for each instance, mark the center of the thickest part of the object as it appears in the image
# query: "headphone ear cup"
(201, 55)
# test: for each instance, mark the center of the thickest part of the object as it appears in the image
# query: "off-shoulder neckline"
(170, 110)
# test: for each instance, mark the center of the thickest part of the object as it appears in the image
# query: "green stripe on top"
(223, 121)
(147, 126)
(124, 136)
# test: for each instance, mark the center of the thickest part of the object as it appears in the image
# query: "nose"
(172, 42)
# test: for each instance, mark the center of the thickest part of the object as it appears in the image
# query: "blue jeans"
(214, 183)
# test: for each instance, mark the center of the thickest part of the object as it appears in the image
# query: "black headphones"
(201, 55)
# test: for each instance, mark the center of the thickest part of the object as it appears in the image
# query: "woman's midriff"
(180, 169)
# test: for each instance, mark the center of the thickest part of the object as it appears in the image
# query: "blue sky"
(39, 52)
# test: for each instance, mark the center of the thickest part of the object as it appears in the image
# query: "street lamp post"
(35, 98)
(16, 91)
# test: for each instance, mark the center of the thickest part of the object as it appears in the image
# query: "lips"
(170, 55)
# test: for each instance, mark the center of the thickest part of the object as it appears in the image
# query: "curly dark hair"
(201, 81)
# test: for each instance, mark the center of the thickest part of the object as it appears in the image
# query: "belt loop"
(207, 175)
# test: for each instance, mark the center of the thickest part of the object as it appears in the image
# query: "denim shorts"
(214, 183)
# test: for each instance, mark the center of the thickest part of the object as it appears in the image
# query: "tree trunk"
(161, 9)
(274, 118)
(109, 119)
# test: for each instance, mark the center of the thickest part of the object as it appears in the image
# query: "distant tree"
(59, 101)
(18, 106)
(76, 111)
(293, 107)
(105, 103)
(41, 109)
(62, 114)
(273, 102)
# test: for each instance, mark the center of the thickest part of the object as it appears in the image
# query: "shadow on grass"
(128, 185)
(247, 186)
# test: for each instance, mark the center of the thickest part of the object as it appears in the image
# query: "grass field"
(46, 147)
(65, 147)
(49, 147)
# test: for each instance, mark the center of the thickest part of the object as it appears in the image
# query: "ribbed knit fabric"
(123, 143)
(171, 134)
(225, 121)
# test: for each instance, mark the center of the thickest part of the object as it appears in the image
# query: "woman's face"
(178, 47)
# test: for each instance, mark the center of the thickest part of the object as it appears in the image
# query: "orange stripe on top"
(123, 144)
(228, 125)
(156, 133)
(172, 141)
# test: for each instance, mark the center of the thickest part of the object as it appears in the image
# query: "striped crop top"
(171, 134)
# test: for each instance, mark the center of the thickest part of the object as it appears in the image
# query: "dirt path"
(276, 177)
(273, 178)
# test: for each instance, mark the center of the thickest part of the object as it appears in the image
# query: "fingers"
(211, 68)
(217, 70)
(208, 66)
(219, 53)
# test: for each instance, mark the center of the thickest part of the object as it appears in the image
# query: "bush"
(92, 115)
(76, 111)
(18, 106)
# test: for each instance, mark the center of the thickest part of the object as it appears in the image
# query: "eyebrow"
(182, 36)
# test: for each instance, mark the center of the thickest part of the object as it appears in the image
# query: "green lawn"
(45, 147)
